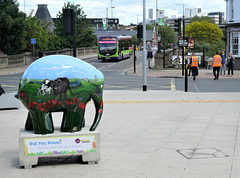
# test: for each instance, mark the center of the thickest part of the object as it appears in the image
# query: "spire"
(44, 15)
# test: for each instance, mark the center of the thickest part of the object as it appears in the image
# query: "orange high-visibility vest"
(216, 61)
(194, 61)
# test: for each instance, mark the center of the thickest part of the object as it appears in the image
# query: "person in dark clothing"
(223, 66)
(1, 90)
(149, 57)
(230, 63)
(40, 54)
(194, 63)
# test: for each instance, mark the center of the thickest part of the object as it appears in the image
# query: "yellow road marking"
(9, 85)
(173, 101)
(173, 84)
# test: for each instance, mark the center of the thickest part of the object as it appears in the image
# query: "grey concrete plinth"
(8, 101)
(58, 144)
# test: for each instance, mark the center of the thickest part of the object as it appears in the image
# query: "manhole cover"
(201, 153)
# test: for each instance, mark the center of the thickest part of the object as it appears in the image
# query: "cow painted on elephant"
(73, 84)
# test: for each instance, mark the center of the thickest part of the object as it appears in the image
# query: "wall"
(27, 58)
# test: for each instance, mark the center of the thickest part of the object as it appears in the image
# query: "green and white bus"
(114, 47)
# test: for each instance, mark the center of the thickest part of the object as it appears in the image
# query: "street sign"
(33, 41)
(183, 42)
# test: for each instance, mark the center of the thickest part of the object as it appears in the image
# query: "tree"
(201, 19)
(167, 35)
(204, 31)
(38, 30)
(12, 27)
(210, 49)
(84, 30)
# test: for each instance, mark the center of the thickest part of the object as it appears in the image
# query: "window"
(235, 43)
(232, 9)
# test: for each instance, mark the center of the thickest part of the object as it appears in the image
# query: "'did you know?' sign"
(59, 145)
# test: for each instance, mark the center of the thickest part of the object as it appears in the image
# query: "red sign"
(107, 42)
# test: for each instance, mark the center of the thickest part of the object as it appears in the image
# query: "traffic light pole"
(186, 61)
(74, 31)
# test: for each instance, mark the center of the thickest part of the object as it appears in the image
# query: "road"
(116, 78)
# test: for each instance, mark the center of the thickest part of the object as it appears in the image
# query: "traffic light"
(177, 26)
(67, 21)
(140, 31)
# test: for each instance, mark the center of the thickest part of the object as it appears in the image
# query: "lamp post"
(157, 18)
(144, 56)
(112, 9)
(158, 42)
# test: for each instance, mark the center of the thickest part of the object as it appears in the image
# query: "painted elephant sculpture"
(60, 83)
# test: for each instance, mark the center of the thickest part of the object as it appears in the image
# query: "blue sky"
(126, 10)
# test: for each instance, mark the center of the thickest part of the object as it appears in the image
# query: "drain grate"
(202, 153)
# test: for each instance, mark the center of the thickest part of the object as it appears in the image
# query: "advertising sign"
(59, 145)
(183, 42)
(191, 42)
(104, 20)
(161, 17)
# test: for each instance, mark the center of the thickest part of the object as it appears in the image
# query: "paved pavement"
(177, 73)
(165, 134)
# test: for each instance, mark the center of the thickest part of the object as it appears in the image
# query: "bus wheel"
(103, 60)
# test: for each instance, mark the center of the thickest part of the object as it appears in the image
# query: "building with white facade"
(150, 13)
(233, 29)
(218, 17)
(192, 12)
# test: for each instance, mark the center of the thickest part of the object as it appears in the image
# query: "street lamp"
(137, 17)
(158, 40)
(144, 48)
(112, 9)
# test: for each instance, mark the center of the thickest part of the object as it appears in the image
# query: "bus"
(114, 47)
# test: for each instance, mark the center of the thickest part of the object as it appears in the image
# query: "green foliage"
(204, 31)
(210, 49)
(134, 39)
(206, 34)
(167, 35)
(201, 19)
(84, 30)
(12, 27)
(38, 30)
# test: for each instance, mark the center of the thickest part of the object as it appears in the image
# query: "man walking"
(149, 57)
(216, 65)
(194, 65)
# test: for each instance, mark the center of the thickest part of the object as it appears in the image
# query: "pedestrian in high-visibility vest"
(194, 65)
(216, 65)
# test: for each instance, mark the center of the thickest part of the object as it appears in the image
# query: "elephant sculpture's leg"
(99, 110)
(72, 121)
(29, 124)
(42, 122)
